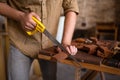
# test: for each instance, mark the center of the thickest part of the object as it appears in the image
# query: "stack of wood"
(101, 48)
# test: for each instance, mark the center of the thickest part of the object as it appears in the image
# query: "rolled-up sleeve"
(70, 5)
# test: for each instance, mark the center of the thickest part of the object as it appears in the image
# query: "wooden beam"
(2, 62)
(101, 68)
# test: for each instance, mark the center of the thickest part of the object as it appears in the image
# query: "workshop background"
(98, 18)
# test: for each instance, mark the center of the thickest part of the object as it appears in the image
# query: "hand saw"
(41, 28)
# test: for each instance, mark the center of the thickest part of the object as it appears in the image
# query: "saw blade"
(59, 45)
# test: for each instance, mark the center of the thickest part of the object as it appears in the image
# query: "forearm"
(25, 19)
(69, 25)
(9, 12)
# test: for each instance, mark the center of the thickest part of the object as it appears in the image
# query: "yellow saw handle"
(39, 27)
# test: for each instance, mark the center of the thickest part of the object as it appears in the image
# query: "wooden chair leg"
(2, 61)
(78, 73)
(89, 75)
(102, 76)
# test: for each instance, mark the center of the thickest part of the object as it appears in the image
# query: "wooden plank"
(101, 67)
(2, 62)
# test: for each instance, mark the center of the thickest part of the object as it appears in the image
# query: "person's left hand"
(70, 48)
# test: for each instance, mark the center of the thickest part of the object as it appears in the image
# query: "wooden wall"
(94, 11)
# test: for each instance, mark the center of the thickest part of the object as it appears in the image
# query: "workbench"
(91, 65)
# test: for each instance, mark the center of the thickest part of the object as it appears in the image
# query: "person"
(24, 48)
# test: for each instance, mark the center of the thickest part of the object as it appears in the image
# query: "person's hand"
(27, 22)
(70, 48)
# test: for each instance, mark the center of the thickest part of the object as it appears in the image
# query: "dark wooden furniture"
(107, 30)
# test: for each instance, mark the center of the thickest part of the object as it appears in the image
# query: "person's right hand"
(27, 22)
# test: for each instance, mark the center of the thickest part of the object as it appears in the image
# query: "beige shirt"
(49, 12)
